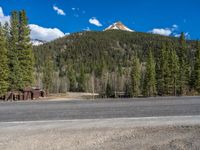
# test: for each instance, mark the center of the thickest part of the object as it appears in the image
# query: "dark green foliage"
(72, 80)
(81, 82)
(161, 65)
(183, 70)
(110, 54)
(136, 76)
(15, 74)
(25, 52)
(99, 50)
(150, 76)
(3, 63)
(47, 74)
(167, 72)
(164, 70)
(20, 54)
(174, 72)
(6, 31)
(197, 69)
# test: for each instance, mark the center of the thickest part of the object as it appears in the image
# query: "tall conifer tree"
(6, 32)
(25, 52)
(47, 74)
(136, 76)
(174, 72)
(82, 81)
(160, 70)
(197, 68)
(183, 70)
(167, 70)
(3, 63)
(15, 75)
(150, 76)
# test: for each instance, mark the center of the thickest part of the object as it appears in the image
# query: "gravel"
(163, 133)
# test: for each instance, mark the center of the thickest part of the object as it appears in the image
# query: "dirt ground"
(70, 96)
(135, 138)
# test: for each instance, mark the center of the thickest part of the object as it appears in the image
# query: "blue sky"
(167, 17)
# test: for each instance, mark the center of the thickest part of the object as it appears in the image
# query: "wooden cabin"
(25, 94)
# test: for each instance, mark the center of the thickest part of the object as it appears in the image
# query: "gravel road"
(162, 133)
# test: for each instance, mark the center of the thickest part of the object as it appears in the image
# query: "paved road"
(121, 108)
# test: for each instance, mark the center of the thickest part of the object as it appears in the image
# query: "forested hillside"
(138, 64)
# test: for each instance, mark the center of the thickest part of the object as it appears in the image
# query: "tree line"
(137, 64)
(16, 54)
(170, 74)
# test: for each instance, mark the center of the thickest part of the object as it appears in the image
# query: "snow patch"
(118, 26)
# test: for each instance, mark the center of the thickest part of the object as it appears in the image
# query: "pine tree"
(81, 82)
(160, 71)
(193, 72)
(47, 74)
(167, 71)
(136, 76)
(197, 68)
(25, 52)
(72, 80)
(183, 70)
(6, 31)
(15, 76)
(174, 71)
(150, 76)
(3, 63)
(167, 74)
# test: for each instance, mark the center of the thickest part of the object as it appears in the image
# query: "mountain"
(118, 26)
(36, 42)
(107, 56)
(96, 50)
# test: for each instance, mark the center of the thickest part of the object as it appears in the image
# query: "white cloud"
(67, 33)
(3, 18)
(1, 12)
(37, 32)
(175, 26)
(165, 32)
(45, 34)
(172, 31)
(59, 11)
(95, 22)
